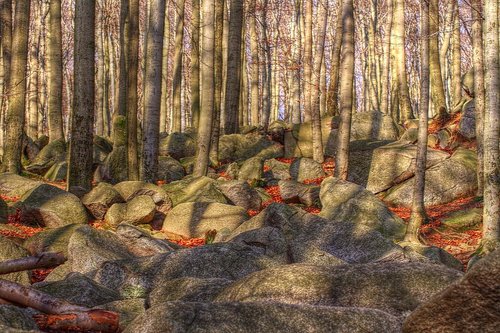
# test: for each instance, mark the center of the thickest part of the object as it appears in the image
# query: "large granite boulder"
(169, 169)
(446, 181)
(178, 145)
(295, 192)
(139, 210)
(180, 317)
(194, 219)
(139, 242)
(100, 199)
(12, 185)
(8, 251)
(373, 126)
(252, 169)
(49, 206)
(472, 304)
(194, 189)
(467, 124)
(304, 168)
(298, 141)
(241, 194)
(14, 319)
(51, 240)
(51, 154)
(131, 189)
(240, 147)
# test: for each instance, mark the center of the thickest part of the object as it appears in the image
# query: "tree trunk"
(296, 74)
(208, 88)
(491, 216)
(55, 67)
(152, 91)
(267, 73)
(308, 59)
(254, 70)
(195, 63)
(177, 81)
(82, 120)
(15, 117)
(6, 43)
(386, 61)
(346, 90)
(333, 89)
(456, 74)
(437, 87)
(418, 215)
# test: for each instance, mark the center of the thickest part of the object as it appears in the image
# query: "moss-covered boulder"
(305, 168)
(131, 189)
(240, 193)
(252, 169)
(169, 169)
(178, 145)
(14, 319)
(51, 240)
(139, 210)
(464, 220)
(239, 147)
(51, 154)
(194, 189)
(100, 199)
(12, 185)
(8, 251)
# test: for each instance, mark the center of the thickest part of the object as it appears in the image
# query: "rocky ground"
(268, 242)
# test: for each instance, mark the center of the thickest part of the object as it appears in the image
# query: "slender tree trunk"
(100, 80)
(267, 73)
(491, 216)
(208, 88)
(152, 91)
(386, 61)
(82, 120)
(308, 59)
(346, 90)
(165, 92)
(17, 89)
(333, 89)
(254, 68)
(55, 68)
(418, 215)
(296, 75)
(437, 87)
(456, 73)
(6, 43)
(34, 77)
(479, 92)
(195, 63)
(177, 81)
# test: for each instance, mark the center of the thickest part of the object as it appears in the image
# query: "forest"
(249, 166)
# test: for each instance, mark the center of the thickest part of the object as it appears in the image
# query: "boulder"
(446, 181)
(276, 170)
(410, 136)
(348, 202)
(373, 125)
(179, 317)
(100, 199)
(169, 169)
(51, 154)
(80, 290)
(469, 305)
(14, 319)
(276, 130)
(430, 254)
(252, 169)
(4, 211)
(51, 240)
(194, 219)
(187, 289)
(269, 241)
(131, 189)
(464, 220)
(12, 185)
(102, 148)
(395, 288)
(8, 251)
(395, 163)
(194, 189)
(113, 169)
(295, 192)
(49, 206)
(128, 309)
(57, 172)
(139, 210)
(239, 147)
(139, 242)
(178, 145)
(303, 169)
(298, 141)
(241, 194)
(467, 124)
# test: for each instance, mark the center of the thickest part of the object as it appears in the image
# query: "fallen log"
(43, 260)
(93, 320)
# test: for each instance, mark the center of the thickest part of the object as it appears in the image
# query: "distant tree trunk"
(15, 117)
(333, 89)
(6, 44)
(195, 63)
(400, 60)
(233, 67)
(177, 81)
(152, 91)
(456, 73)
(479, 92)
(437, 87)
(308, 59)
(386, 61)
(267, 73)
(100, 80)
(296, 74)
(82, 120)
(208, 88)
(491, 216)
(55, 67)
(315, 102)
(34, 77)
(254, 68)
(346, 90)
(418, 215)
(165, 92)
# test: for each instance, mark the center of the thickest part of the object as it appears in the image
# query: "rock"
(57, 172)
(178, 145)
(469, 305)
(252, 169)
(274, 169)
(194, 189)
(12, 185)
(373, 125)
(444, 137)
(14, 319)
(128, 309)
(51, 240)
(4, 211)
(51, 154)
(131, 189)
(140, 210)
(49, 206)
(298, 141)
(306, 169)
(274, 151)
(170, 169)
(8, 251)
(395, 288)
(139, 242)
(430, 254)
(464, 220)
(193, 220)
(394, 163)
(113, 169)
(178, 317)
(100, 199)
(239, 147)
(410, 136)
(295, 192)
(344, 201)
(467, 124)
(268, 241)
(102, 148)
(80, 290)
(432, 141)
(241, 194)
(277, 131)
(187, 289)
(444, 182)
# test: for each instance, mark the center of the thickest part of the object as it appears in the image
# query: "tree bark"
(254, 68)
(308, 59)
(43, 260)
(333, 89)
(456, 63)
(177, 81)
(386, 60)
(437, 87)
(195, 63)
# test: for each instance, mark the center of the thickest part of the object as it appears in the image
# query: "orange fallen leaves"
(192, 242)
(39, 275)
(9, 199)
(23, 231)
(315, 181)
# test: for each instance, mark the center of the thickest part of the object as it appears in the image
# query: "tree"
(82, 120)
(308, 41)
(55, 71)
(254, 68)
(346, 90)
(208, 88)
(15, 118)
(333, 88)
(152, 90)
(233, 78)
(437, 86)
(491, 214)
(195, 63)
(386, 61)
(177, 80)
(456, 62)
(418, 215)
